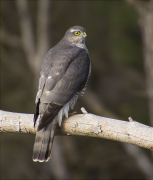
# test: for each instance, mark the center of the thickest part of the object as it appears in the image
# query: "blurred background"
(120, 44)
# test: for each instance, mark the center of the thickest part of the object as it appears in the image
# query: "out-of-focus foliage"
(117, 79)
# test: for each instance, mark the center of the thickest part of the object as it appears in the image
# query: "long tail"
(43, 142)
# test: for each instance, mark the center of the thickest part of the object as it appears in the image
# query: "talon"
(71, 114)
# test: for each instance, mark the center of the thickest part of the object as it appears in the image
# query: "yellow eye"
(77, 33)
(84, 33)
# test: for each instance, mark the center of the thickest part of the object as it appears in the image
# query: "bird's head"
(76, 35)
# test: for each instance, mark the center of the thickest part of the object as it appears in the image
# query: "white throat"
(80, 45)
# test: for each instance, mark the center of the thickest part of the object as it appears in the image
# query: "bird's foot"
(72, 113)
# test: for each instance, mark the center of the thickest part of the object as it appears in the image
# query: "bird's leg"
(72, 113)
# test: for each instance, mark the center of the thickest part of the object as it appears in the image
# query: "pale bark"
(85, 125)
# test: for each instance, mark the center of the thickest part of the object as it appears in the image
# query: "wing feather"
(72, 81)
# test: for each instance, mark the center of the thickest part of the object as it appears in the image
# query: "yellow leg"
(74, 112)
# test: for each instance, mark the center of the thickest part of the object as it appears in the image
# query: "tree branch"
(26, 30)
(135, 151)
(84, 125)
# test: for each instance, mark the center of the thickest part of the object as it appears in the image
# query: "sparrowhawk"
(63, 77)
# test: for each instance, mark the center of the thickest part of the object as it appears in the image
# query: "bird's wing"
(72, 81)
(53, 68)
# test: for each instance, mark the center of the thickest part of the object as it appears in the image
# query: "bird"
(65, 71)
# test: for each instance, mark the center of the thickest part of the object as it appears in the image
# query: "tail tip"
(41, 160)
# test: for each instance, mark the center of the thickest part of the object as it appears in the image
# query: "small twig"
(84, 110)
(130, 119)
